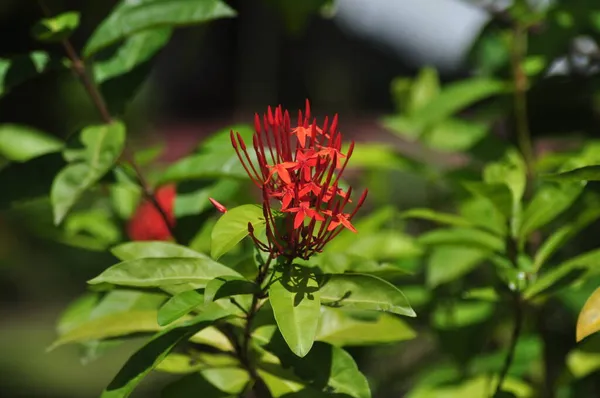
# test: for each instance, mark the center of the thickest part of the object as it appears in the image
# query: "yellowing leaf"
(589, 318)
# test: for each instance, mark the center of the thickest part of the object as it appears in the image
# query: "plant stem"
(518, 314)
(80, 70)
(518, 54)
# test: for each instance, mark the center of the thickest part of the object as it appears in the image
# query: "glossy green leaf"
(232, 227)
(364, 292)
(154, 351)
(179, 305)
(341, 328)
(21, 143)
(565, 273)
(102, 147)
(448, 263)
(296, 309)
(157, 272)
(56, 28)
(441, 218)
(115, 325)
(562, 235)
(130, 17)
(135, 50)
(588, 321)
(157, 249)
(228, 286)
(468, 237)
(548, 202)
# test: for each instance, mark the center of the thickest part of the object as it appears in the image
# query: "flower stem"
(79, 68)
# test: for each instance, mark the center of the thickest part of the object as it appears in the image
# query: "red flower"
(298, 168)
(148, 223)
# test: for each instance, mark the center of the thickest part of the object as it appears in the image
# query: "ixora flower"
(298, 168)
(148, 223)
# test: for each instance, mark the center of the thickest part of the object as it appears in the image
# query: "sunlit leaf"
(153, 352)
(296, 310)
(340, 328)
(56, 28)
(22, 143)
(365, 292)
(232, 227)
(157, 249)
(179, 305)
(156, 272)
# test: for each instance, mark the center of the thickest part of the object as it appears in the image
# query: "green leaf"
(376, 156)
(190, 386)
(21, 68)
(498, 195)
(564, 274)
(205, 165)
(455, 135)
(125, 198)
(385, 245)
(94, 224)
(157, 272)
(448, 263)
(588, 321)
(441, 218)
(102, 147)
(196, 202)
(57, 28)
(455, 97)
(586, 173)
(153, 352)
(468, 237)
(562, 235)
(220, 141)
(548, 202)
(135, 50)
(227, 286)
(179, 305)
(326, 368)
(481, 212)
(138, 250)
(130, 17)
(364, 292)
(512, 172)
(21, 143)
(461, 314)
(231, 379)
(296, 309)
(115, 325)
(232, 227)
(341, 328)
(585, 359)
(425, 88)
(77, 312)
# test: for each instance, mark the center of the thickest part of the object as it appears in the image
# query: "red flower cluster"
(299, 168)
(148, 223)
